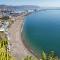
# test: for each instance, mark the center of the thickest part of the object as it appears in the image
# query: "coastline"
(17, 47)
(29, 48)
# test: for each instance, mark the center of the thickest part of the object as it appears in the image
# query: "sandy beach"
(17, 47)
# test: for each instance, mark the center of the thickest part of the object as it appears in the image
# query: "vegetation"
(30, 58)
(4, 52)
(49, 56)
(5, 18)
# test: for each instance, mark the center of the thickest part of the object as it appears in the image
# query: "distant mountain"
(27, 7)
(24, 7)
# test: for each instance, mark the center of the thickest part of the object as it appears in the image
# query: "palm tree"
(28, 58)
(49, 56)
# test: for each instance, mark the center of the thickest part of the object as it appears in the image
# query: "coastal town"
(11, 25)
(29, 29)
(11, 28)
(12, 43)
(7, 17)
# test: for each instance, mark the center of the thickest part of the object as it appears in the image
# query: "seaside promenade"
(17, 48)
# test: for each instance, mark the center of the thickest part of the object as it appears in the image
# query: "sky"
(44, 3)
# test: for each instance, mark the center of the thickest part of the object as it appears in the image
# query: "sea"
(42, 31)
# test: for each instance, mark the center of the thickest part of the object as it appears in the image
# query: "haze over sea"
(42, 31)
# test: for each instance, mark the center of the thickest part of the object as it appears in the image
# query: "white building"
(2, 29)
(30, 10)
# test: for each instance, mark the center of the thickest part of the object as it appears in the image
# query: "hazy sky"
(46, 3)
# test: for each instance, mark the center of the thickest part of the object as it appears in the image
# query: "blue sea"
(42, 31)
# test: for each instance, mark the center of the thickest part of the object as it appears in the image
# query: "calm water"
(42, 31)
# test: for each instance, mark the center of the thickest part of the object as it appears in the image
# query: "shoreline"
(28, 47)
(25, 43)
(17, 47)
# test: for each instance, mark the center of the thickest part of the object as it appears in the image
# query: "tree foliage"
(4, 52)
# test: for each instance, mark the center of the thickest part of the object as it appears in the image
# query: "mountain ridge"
(19, 7)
